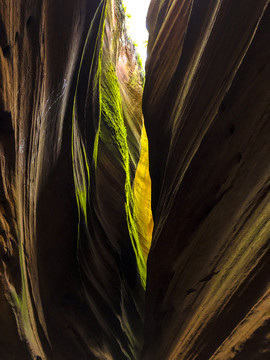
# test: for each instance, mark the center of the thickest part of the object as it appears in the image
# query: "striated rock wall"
(73, 257)
(104, 169)
(206, 105)
(75, 192)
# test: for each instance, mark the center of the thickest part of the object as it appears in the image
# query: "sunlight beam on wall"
(136, 11)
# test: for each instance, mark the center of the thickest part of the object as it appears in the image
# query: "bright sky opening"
(136, 24)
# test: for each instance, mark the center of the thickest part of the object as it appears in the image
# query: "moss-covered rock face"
(73, 247)
(111, 252)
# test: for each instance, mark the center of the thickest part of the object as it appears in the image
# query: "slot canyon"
(134, 205)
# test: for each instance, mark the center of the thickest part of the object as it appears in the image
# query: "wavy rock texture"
(206, 105)
(73, 257)
(75, 192)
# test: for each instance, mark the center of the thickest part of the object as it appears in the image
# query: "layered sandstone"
(76, 281)
(206, 105)
(73, 255)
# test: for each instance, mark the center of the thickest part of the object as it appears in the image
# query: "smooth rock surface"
(206, 105)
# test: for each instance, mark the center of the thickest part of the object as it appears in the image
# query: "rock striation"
(73, 249)
(77, 280)
(206, 105)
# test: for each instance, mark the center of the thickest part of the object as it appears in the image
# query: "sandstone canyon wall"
(206, 105)
(73, 250)
(75, 192)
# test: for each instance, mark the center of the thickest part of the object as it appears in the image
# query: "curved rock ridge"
(73, 249)
(206, 106)
(104, 170)
(76, 195)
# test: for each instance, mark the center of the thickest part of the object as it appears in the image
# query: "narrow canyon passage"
(134, 205)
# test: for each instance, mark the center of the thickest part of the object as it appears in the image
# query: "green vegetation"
(112, 132)
(22, 305)
(80, 159)
(112, 115)
(125, 12)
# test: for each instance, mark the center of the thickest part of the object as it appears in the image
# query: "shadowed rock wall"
(73, 259)
(206, 105)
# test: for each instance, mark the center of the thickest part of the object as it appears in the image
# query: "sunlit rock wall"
(206, 106)
(73, 257)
